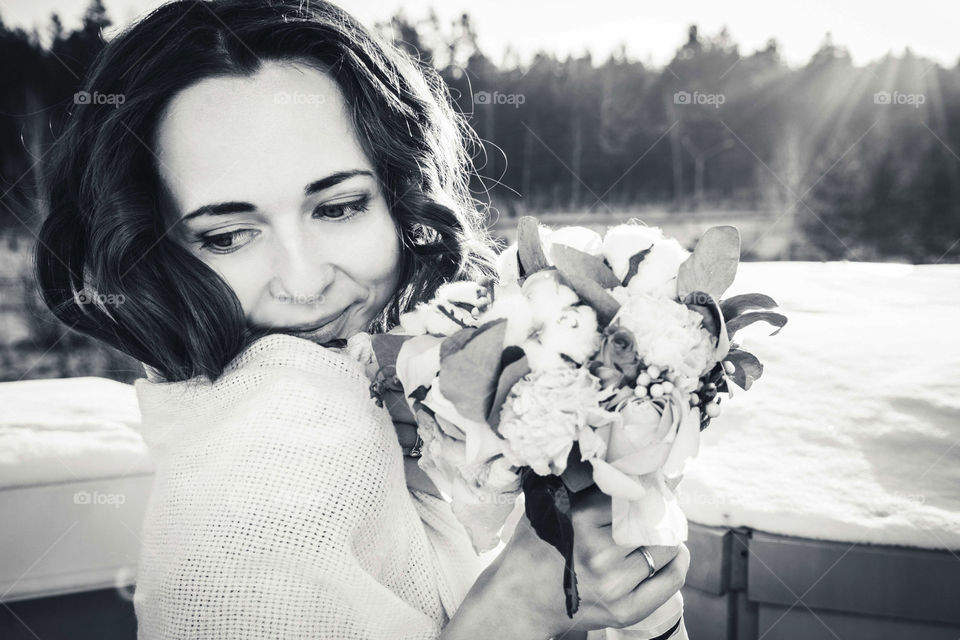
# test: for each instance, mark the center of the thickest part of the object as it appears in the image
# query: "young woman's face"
(276, 195)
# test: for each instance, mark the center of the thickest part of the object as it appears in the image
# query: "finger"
(397, 405)
(661, 556)
(406, 434)
(609, 557)
(625, 576)
(651, 594)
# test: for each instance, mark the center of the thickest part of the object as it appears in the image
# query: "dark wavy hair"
(107, 233)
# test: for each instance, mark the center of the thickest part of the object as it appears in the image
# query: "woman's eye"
(227, 242)
(342, 210)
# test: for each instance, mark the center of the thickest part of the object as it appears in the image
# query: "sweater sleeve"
(284, 514)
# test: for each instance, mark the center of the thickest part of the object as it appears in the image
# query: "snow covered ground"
(853, 432)
(69, 429)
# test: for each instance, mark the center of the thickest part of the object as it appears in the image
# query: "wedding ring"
(415, 450)
(649, 559)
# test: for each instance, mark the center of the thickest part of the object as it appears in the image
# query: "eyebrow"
(245, 207)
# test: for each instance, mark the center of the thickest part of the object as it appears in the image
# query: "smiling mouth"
(312, 328)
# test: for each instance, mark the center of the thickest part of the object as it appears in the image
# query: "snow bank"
(853, 432)
(69, 429)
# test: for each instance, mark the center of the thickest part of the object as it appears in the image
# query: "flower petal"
(614, 482)
(687, 443)
(645, 460)
(655, 519)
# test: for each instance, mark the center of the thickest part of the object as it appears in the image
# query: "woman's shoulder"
(280, 351)
(278, 382)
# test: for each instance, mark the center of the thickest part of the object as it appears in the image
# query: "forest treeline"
(866, 159)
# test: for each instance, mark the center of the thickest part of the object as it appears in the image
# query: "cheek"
(374, 255)
(245, 277)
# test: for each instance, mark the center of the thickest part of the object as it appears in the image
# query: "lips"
(315, 326)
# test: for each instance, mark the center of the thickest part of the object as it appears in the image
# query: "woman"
(274, 181)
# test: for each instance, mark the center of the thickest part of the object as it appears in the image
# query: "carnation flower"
(667, 334)
(544, 413)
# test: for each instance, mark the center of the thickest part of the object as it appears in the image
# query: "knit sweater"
(280, 508)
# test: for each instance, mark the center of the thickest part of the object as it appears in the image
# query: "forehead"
(248, 138)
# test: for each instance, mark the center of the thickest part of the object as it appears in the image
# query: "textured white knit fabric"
(280, 509)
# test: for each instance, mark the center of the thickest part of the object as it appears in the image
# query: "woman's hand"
(613, 582)
(406, 427)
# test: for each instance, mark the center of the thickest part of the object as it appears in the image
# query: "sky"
(651, 31)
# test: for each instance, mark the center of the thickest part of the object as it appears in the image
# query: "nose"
(303, 274)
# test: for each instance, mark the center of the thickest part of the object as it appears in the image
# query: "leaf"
(713, 264)
(579, 473)
(456, 341)
(594, 295)
(704, 304)
(634, 265)
(747, 368)
(776, 319)
(547, 505)
(419, 394)
(529, 248)
(733, 307)
(510, 375)
(468, 376)
(386, 346)
(570, 260)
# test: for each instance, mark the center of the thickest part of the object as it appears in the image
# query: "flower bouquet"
(593, 360)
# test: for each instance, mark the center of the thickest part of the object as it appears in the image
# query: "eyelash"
(357, 207)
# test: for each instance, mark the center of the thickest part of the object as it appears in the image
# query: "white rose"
(650, 442)
(544, 413)
(668, 334)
